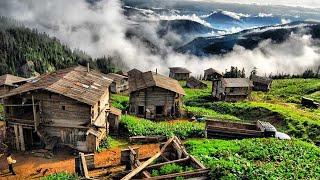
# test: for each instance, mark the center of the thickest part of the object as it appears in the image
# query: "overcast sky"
(302, 3)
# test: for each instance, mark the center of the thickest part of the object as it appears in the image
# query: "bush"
(144, 127)
(61, 176)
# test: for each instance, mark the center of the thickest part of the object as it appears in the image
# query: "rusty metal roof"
(75, 82)
(179, 70)
(237, 82)
(116, 77)
(10, 80)
(144, 80)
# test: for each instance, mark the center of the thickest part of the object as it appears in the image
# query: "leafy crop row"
(61, 176)
(144, 127)
(258, 158)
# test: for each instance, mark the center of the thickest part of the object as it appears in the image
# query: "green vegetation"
(291, 90)
(198, 111)
(257, 158)
(170, 169)
(111, 142)
(120, 101)
(61, 176)
(144, 127)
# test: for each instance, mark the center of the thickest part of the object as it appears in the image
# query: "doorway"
(31, 139)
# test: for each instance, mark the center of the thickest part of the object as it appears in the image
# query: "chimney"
(156, 71)
(88, 66)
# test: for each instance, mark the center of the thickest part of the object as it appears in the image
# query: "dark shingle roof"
(76, 83)
(116, 77)
(138, 81)
(211, 71)
(179, 70)
(260, 79)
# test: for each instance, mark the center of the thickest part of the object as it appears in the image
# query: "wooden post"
(16, 133)
(34, 115)
(21, 138)
(84, 165)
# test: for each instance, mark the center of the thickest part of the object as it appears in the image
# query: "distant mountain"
(224, 20)
(248, 39)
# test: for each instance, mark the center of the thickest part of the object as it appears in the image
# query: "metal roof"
(75, 82)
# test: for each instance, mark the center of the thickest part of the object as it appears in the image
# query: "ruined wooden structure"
(211, 74)
(147, 139)
(309, 103)
(233, 130)
(9, 82)
(83, 164)
(119, 83)
(179, 73)
(194, 83)
(114, 120)
(261, 83)
(67, 107)
(231, 89)
(171, 152)
(154, 96)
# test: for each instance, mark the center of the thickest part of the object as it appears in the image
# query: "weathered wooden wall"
(152, 97)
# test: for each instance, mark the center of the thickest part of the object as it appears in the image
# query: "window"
(159, 110)
(63, 108)
(99, 107)
(140, 110)
(231, 90)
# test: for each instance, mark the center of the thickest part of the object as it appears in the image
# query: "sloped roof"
(195, 82)
(76, 83)
(237, 82)
(211, 71)
(9, 79)
(116, 77)
(115, 111)
(150, 79)
(260, 79)
(179, 70)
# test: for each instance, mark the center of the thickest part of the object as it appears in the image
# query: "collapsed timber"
(172, 153)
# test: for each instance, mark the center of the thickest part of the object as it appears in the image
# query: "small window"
(159, 109)
(231, 89)
(141, 110)
(99, 106)
(7, 109)
(63, 108)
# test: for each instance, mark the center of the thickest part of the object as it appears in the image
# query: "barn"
(154, 96)
(119, 83)
(194, 83)
(211, 74)
(8, 82)
(231, 89)
(261, 83)
(64, 108)
(179, 73)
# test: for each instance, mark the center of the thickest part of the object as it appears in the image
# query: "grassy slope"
(263, 158)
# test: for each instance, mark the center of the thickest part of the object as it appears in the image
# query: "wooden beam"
(169, 162)
(23, 148)
(16, 133)
(84, 165)
(34, 115)
(163, 157)
(196, 161)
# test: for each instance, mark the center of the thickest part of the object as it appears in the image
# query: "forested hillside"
(26, 52)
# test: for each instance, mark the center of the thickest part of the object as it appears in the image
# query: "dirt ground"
(30, 167)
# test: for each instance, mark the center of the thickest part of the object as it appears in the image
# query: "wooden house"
(231, 89)
(119, 83)
(211, 74)
(261, 83)
(194, 83)
(179, 73)
(154, 96)
(8, 82)
(68, 107)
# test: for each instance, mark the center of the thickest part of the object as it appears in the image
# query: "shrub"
(61, 176)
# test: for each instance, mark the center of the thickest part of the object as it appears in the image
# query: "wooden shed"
(67, 107)
(179, 73)
(154, 96)
(194, 83)
(261, 83)
(114, 120)
(119, 83)
(8, 82)
(211, 74)
(231, 89)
